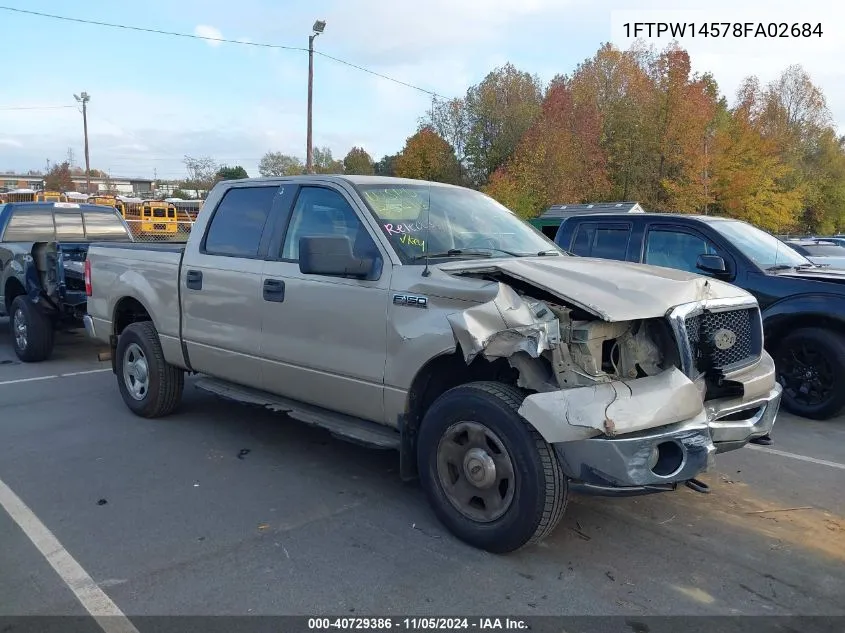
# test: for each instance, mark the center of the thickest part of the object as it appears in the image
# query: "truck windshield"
(762, 248)
(448, 221)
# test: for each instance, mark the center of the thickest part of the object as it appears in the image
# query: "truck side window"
(611, 242)
(239, 220)
(321, 211)
(676, 249)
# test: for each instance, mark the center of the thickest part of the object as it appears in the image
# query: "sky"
(157, 98)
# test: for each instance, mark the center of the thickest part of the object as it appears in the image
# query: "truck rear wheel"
(32, 331)
(492, 480)
(150, 386)
(810, 364)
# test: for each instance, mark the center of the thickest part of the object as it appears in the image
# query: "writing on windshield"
(438, 219)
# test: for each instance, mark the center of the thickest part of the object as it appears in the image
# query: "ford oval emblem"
(724, 339)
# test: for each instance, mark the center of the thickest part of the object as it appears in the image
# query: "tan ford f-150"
(430, 319)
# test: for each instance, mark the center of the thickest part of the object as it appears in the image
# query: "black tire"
(164, 382)
(819, 355)
(36, 344)
(540, 489)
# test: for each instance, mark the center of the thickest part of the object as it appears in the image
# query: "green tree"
(278, 164)
(359, 162)
(387, 165)
(324, 162)
(59, 178)
(449, 119)
(427, 156)
(202, 172)
(231, 173)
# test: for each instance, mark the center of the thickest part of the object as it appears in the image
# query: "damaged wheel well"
(14, 288)
(444, 372)
(127, 311)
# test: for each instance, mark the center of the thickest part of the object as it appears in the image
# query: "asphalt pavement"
(222, 509)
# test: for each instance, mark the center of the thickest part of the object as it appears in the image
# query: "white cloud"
(10, 142)
(204, 30)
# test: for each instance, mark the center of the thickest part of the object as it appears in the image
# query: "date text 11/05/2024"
(417, 624)
(723, 29)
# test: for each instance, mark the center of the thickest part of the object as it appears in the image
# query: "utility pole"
(84, 98)
(319, 27)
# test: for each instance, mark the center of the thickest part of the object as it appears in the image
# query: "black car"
(43, 247)
(802, 304)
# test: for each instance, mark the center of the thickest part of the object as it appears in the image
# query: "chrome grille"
(744, 323)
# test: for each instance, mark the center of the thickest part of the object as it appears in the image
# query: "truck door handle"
(194, 279)
(274, 290)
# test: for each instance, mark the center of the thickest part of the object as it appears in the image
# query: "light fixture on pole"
(84, 98)
(319, 27)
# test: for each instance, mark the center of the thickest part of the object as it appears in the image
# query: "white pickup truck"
(430, 319)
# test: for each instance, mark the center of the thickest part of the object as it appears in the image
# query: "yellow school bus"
(21, 195)
(152, 219)
(50, 196)
(108, 200)
(186, 212)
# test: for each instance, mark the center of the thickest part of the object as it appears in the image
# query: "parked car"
(803, 304)
(42, 253)
(824, 252)
(428, 318)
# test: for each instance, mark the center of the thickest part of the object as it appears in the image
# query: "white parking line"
(107, 614)
(51, 376)
(803, 458)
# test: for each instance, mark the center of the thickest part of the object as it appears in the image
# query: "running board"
(343, 426)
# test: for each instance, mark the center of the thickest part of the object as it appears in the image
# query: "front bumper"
(651, 460)
(651, 433)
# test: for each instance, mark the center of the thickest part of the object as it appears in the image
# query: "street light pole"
(84, 98)
(319, 27)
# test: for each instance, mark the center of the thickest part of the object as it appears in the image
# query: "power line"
(55, 107)
(146, 30)
(222, 40)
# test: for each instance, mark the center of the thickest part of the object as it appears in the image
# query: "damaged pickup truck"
(429, 319)
(42, 255)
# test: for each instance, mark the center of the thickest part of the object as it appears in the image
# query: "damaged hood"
(611, 290)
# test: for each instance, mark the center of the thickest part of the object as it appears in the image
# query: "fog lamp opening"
(666, 459)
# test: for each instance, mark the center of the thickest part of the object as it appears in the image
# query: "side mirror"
(331, 255)
(713, 264)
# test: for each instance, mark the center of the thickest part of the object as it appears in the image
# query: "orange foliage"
(427, 156)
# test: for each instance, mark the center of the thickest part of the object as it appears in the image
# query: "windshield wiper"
(550, 251)
(455, 252)
(779, 267)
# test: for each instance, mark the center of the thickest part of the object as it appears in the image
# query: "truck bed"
(163, 247)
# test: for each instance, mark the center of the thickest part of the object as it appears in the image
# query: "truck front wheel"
(150, 386)
(32, 331)
(810, 364)
(492, 480)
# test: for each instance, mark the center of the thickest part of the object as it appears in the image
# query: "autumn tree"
(498, 112)
(684, 111)
(427, 156)
(749, 174)
(59, 178)
(618, 86)
(358, 161)
(231, 173)
(278, 164)
(559, 160)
